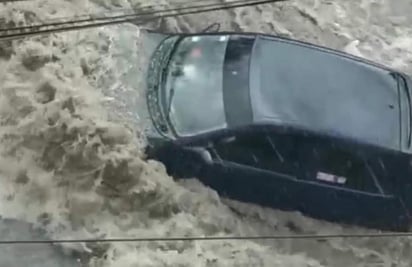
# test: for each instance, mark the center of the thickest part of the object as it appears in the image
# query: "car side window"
(326, 162)
(243, 149)
(271, 152)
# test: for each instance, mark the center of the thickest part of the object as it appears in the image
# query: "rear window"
(324, 92)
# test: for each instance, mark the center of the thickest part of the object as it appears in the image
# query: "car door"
(341, 184)
(394, 171)
(252, 166)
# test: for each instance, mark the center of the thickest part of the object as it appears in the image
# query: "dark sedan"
(284, 124)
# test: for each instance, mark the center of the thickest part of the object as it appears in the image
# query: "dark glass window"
(194, 97)
(277, 153)
(332, 164)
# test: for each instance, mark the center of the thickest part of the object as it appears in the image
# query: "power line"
(124, 18)
(95, 17)
(89, 16)
(131, 17)
(10, 1)
(137, 18)
(210, 238)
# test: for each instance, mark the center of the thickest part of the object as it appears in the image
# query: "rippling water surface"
(71, 138)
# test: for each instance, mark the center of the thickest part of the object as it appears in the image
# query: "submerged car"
(284, 124)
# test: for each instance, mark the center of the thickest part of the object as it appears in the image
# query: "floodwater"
(72, 133)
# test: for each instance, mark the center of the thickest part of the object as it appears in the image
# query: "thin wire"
(53, 21)
(131, 17)
(209, 238)
(10, 1)
(95, 17)
(135, 17)
(89, 17)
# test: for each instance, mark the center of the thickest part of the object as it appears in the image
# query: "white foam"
(58, 143)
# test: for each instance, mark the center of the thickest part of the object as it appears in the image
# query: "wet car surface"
(285, 124)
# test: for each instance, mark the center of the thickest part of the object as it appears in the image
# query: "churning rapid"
(71, 141)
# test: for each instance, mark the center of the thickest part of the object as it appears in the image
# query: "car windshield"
(406, 110)
(193, 90)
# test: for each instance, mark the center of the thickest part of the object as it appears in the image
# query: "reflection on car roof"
(322, 91)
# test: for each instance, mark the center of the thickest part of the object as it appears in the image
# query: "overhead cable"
(103, 15)
(11, 1)
(137, 18)
(319, 237)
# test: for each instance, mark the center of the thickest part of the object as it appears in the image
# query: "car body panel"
(325, 174)
(300, 190)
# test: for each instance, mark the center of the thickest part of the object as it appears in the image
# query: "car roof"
(323, 91)
(295, 42)
(383, 133)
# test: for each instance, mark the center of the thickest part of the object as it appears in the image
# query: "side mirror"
(203, 153)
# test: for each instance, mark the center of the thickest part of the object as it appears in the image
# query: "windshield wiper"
(169, 101)
(175, 73)
(408, 96)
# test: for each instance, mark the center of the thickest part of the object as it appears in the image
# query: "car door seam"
(375, 179)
